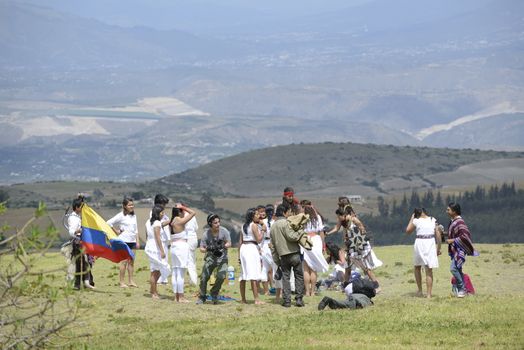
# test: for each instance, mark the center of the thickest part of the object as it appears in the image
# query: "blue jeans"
(459, 276)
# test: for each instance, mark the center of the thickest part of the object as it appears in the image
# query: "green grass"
(116, 318)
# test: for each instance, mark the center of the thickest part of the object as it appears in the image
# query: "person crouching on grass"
(155, 250)
(215, 242)
(128, 232)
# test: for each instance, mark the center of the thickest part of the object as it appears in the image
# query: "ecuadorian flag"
(99, 239)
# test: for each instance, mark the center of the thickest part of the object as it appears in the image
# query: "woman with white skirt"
(265, 252)
(250, 255)
(314, 261)
(426, 248)
(155, 250)
(359, 253)
(180, 253)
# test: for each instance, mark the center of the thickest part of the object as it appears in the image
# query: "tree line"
(493, 214)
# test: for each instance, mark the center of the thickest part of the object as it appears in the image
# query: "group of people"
(282, 248)
(284, 245)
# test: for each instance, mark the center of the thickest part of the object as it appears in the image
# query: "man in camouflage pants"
(214, 243)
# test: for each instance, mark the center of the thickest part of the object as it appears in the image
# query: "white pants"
(191, 264)
(177, 279)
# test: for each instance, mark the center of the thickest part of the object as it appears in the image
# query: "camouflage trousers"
(210, 264)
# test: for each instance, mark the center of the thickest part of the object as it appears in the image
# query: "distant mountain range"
(83, 98)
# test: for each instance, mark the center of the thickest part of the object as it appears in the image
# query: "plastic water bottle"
(231, 275)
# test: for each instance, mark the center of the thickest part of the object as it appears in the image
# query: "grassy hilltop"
(115, 318)
(324, 169)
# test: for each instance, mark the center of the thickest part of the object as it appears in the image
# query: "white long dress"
(156, 263)
(314, 258)
(265, 254)
(250, 257)
(425, 249)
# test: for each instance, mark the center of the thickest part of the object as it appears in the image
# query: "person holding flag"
(82, 264)
(125, 226)
(99, 239)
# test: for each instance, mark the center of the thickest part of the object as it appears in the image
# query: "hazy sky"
(193, 15)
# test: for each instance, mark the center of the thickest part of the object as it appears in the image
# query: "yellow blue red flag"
(99, 239)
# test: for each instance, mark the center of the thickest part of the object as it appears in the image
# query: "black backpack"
(364, 286)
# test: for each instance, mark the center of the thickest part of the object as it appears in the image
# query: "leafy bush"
(32, 312)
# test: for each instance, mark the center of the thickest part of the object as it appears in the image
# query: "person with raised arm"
(358, 248)
(180, 216)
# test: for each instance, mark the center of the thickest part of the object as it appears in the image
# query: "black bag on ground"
(364, 286)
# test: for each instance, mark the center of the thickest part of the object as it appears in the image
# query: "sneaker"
(323, 303)
(200, 301)
(461, 294)
(299, 303)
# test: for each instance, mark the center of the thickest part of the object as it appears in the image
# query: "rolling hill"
(342, 168)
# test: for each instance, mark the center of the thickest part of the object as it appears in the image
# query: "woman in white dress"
(265, 252)
(250, 255)
(179, 249)
(154, 249)
(426, 248)
(125, 226)
(314, 261)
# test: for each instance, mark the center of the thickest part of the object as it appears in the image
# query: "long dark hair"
(341, 212)
(418, 212)
(175, 212)
(270, 210)
(155, 213)
(308, 209)
(77, 203)
(250, 213)
(125, 202)
(333, 251)
(161, 200)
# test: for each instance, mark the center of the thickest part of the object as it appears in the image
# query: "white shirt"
(192, 227)
(165, 231)
(150, 229)
(314, 228)
(127, 225)
(349, 289)
(74, 222)
(425, 226)
(248, 236)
